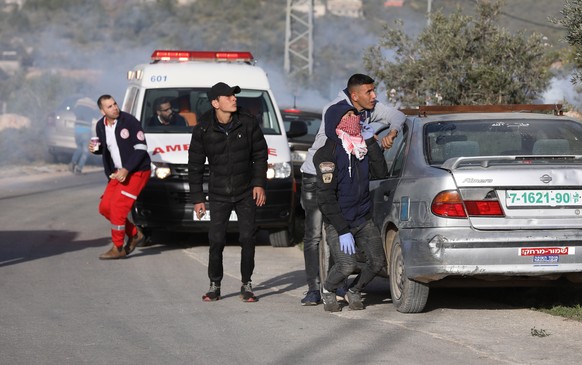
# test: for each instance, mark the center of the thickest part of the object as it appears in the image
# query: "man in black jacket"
(236, 150)
(344, 165)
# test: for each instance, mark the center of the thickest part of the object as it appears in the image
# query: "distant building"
(347, 8)
(393, 3)
(10, 61)
(8, 5)
(318, 7)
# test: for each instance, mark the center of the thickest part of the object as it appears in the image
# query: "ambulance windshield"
(177, 110)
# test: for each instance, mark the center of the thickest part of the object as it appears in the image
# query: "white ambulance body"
(185, 77)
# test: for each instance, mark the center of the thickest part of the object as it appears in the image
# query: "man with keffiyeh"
(361, 94)
(344, 165)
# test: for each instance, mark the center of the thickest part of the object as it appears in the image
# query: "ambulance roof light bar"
(182, 56)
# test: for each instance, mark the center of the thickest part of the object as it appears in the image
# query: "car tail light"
(448, 204)
(481, 203)
(484, 208)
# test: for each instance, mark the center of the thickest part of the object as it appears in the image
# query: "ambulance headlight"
(280, 170)
(160, 170)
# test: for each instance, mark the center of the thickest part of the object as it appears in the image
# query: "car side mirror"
(297, 128)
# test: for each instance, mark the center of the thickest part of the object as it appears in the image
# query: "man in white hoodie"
(361, 94)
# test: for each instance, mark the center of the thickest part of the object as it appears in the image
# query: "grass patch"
(562, 301)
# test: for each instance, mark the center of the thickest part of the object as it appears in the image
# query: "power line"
(547, 25)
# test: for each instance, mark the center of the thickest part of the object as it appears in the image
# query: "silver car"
(60, 127)
(475, 198)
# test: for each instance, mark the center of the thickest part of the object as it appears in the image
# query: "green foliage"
(460, 59)
(572, 21)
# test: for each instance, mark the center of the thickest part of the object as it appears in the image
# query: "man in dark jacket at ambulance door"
(344, 165)
(236, 149)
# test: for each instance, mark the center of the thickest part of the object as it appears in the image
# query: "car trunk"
(538, 193)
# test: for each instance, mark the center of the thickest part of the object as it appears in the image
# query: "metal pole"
(428, 10)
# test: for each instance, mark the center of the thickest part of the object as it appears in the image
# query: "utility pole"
(299, 38)
(428, 10)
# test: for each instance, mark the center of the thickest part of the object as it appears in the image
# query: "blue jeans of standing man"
(313, 229)
(368, 240)
(82, 137)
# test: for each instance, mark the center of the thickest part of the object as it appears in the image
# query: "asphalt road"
(59, 304)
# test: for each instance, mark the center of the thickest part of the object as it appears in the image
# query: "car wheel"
(280, 238)
(408, 296)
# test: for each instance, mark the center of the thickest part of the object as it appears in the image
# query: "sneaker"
(213, 293)
(330, 303)
(355, 299)
(312, 297)
(246, 293)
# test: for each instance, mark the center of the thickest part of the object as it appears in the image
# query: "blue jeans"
(368, 240)
(82, 137)
(313, 229)
(219, 213)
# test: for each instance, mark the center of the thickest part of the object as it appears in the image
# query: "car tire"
(280, 238)
(408, 296)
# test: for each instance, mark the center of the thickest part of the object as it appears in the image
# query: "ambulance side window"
(130, 105)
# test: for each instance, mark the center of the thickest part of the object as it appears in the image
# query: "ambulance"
(185, 77)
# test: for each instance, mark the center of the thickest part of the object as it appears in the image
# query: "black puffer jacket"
(237, 159)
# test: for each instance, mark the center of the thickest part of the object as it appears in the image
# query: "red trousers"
(116, 203)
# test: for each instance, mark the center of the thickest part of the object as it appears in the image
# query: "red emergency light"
(181, 56)
(292, 110)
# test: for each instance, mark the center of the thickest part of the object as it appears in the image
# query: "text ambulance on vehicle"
(185, 77)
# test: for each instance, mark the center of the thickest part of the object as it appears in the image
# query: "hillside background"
(77, 46)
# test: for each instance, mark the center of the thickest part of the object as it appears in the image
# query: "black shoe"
(312, 297)
(330, 303)
(355, 299)
(213, 293)
(246, 293)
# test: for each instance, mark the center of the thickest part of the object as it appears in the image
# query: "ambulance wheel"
(147, 237)
(280, 238)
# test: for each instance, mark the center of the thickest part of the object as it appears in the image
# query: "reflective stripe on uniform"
(140, 147)
(117, 228)
(134, 197)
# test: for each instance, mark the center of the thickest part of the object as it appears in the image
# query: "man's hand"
(120, 175)
(347, 244)
(259, 196)
(200, 210)
(388, 141)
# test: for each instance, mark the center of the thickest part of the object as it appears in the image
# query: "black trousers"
(367, 237)
(219, 213)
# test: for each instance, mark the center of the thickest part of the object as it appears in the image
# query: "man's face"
(165, 112)
(225, 104)
(364, 97)
(110, 109)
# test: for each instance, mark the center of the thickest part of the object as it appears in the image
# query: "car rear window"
(523, 137)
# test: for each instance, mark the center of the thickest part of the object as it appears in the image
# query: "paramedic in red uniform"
(127, 167)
